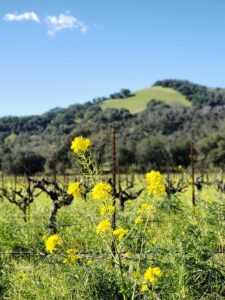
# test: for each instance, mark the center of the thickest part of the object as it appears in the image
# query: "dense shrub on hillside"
(20, 163)
(197, 94)
(123, 93)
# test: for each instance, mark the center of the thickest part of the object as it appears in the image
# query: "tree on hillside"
(153, 154)
(180, 151)
(20, 163)
(213, 148)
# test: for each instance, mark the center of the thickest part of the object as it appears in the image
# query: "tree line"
(157, 138)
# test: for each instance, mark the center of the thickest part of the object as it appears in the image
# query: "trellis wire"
(84, 253)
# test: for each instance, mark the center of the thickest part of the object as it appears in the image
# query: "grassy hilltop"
(138, 102)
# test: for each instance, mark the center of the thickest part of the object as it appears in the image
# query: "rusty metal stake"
(114, 185)
(192, 175)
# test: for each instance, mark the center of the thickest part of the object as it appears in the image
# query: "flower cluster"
(138, 220)
(120, 233)
(156, 183)
(71, 256)
(107, 209)
(103, 227)
(144, 288)
(80, 144)
(152, 274)
(101, 191)
(52, 242)
(145, 207)
(75, 189)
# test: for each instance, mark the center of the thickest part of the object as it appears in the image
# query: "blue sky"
(61, 52)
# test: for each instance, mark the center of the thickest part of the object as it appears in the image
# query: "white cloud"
(64, 21)
(27, 16)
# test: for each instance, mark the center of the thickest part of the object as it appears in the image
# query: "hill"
(156, 137)
(139, 101)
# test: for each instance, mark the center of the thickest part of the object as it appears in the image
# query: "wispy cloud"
(27, 16)
(64, 21)
(54, 23)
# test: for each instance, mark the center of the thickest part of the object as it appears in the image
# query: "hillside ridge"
(158, 133)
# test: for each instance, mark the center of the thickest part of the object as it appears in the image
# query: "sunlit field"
(163, 247)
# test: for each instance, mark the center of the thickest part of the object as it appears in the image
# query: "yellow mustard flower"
(127, 255)
(89, 262)
(44, 237)
(191, 180)
(75, 189)
(80, 144)
(71, 256)
(144, 288)
(107, 209)
(120, 233)
(152, 274)
(52, 242)
(24, 276)
(179, 168)
(101, 191)
(154, 240)
(145, 207)
(103, 227)
(156, 183)
(138, 220)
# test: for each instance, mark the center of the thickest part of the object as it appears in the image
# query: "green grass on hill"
(139, 102)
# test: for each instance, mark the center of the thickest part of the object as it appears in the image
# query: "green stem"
(86, 162)
(94, 223)
(121, 269)
(139, 261)
(142, 240)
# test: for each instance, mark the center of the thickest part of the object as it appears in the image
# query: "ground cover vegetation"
(97, 236)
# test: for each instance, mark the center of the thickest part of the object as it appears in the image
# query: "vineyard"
(92, 236)
(112, 150)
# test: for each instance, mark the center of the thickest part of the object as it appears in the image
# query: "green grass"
(139, 102)
(187, 247)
